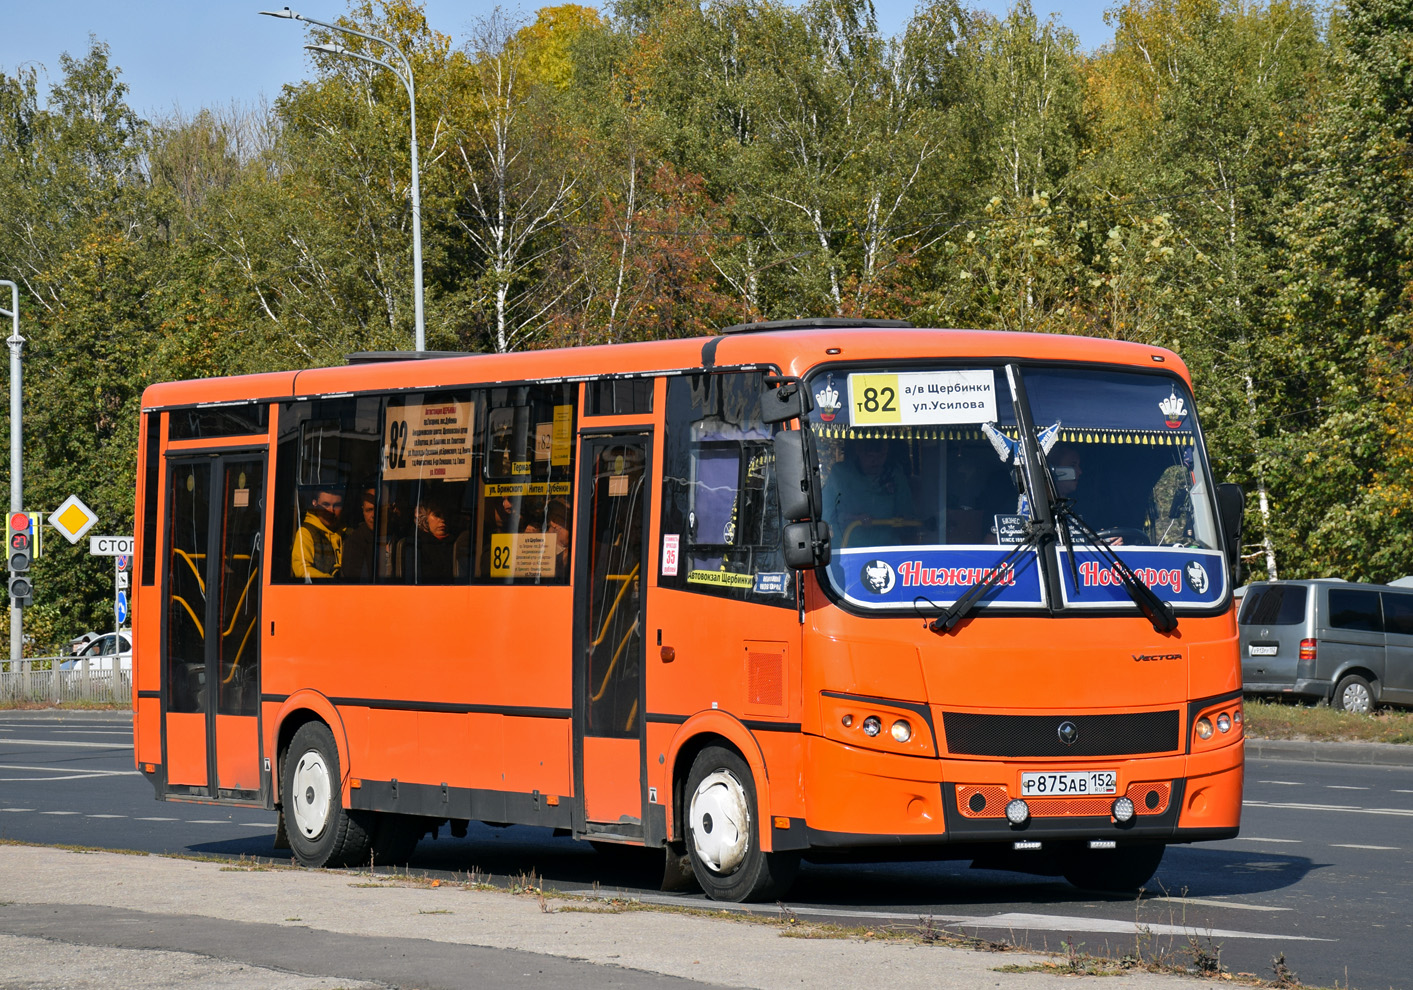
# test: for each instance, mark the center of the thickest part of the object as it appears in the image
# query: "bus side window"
(431, 456)
(720, 508)
(325, 448)
(525, 499)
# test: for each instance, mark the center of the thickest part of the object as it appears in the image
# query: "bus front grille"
(972, 734)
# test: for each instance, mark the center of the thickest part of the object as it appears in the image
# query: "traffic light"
(19, 530)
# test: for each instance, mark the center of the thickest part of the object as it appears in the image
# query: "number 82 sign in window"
(967, 396)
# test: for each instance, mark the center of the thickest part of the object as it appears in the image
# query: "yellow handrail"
(235, 613)
(199, 627)
(622, 645)
(627, 580)
(191, 562)
(240, 650)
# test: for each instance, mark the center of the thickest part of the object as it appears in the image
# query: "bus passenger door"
(211, 633)
(608, 635)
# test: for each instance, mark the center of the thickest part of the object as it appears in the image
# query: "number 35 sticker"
(923, 397)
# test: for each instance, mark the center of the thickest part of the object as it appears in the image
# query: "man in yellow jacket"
(318, 546)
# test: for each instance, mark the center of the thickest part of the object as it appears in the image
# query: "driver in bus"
(867, 494)
(318, 546)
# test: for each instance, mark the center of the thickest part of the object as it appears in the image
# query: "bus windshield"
(924, 485)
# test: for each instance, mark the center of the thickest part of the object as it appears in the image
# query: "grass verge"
(1320, 723)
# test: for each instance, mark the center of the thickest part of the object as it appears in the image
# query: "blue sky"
(189, 54)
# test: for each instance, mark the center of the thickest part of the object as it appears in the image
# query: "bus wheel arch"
(713, 728)
(298, 709)
(723, 826)
(320, 830)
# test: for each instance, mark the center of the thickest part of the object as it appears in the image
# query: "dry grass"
(1284, 720)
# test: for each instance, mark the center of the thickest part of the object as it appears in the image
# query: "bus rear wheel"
(321, 831)
(723, 832)
(1121, 870)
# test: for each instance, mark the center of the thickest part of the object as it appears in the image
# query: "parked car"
(1338, 641)
(101, 653)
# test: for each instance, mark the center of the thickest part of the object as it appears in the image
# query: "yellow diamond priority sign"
(73, 518)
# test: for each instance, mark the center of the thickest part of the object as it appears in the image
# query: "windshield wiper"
(1154, 609)
(963, 606)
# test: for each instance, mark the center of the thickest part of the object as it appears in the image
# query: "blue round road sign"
(122, 607)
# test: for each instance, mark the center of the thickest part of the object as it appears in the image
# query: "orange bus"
(811, 588)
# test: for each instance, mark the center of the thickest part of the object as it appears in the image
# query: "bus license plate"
(1069, 782)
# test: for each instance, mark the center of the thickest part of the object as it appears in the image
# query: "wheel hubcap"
(1356, 698)
(721, 823)
(312, 791)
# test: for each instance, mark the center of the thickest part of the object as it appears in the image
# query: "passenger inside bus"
(428, 556)
(318, 546)
(359, 546)
(867, 497)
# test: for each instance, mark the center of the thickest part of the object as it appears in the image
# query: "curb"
(122, 715)
(1368, 754)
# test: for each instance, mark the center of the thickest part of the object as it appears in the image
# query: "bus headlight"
(902, 731)
(872, 726)
(1223, 722)
(1017, 811)
(1204, 728)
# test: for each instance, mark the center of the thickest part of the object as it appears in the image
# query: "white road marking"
(1345, 787)
(67, 774)
(1062, 923)
(210, 821)
(1262, 838)
(16, 809)
(1214, 902)
(1352, 809)
(1284, 783)
(157, 819)
(1351, 845)
(58, 812)
(64, 744)
(105, 816)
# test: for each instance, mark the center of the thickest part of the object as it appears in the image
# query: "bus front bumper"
(862, 798)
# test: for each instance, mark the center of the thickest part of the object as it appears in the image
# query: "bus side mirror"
(1231, 508)
(806, 544)
(797, 478)
(789, 401)
(801, 492)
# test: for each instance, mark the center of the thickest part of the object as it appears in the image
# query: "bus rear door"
(211, 630)
(608, 635)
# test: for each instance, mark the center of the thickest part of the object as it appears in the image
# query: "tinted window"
(1398, 614)
(218, 421)
(1350, 609)
(619, 397)
(1277, 605)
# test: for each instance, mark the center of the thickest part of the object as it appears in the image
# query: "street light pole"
(17, 488)
(406, 79)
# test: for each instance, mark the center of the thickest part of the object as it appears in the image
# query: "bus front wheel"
(321, 831)
(723, 832)
(1121, 870)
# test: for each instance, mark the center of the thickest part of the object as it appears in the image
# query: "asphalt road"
(1320, 873)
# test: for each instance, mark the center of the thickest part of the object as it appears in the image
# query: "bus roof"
(793, 351)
